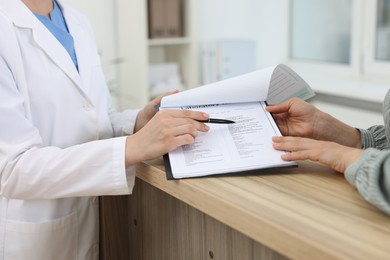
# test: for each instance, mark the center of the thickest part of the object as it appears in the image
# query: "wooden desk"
(308, 212)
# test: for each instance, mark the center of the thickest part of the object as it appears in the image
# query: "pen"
(217, 121)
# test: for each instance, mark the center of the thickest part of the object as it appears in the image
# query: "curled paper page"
(273, 84)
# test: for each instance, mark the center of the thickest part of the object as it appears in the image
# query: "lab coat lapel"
(82, 50)
(57, 53)
(24, 18)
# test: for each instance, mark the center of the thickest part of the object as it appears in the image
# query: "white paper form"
(245, 145)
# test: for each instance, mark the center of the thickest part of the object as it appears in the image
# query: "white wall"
(264, 21)
(352, 116)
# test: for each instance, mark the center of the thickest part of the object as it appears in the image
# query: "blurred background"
(340, 47)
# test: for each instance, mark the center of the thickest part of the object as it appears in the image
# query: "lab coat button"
(87, 106)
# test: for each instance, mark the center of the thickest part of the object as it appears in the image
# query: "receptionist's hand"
(149, 111)
(167, 130)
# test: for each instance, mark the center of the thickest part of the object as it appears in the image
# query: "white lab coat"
(56, 147)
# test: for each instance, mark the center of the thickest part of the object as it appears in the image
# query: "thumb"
(279, 108)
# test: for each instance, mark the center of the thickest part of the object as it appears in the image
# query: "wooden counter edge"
(293, 246)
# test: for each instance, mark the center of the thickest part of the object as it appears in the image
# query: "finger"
(170, 92)
(279, 139)
(292, 139)
(181, 140)
(167, 94)
(294, 143)
(166, 119)
(176, 122)
(184, 130)
(299, 155)
(288, 146)
(285, 106)
(279, 108)
(195, 115)
(157, 100)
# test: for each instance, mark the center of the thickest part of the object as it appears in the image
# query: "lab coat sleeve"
(90, 169)
(123, 122)
(30, 170)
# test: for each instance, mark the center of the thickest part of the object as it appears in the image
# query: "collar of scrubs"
(57, 26)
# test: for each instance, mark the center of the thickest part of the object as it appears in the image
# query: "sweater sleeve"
(371, 176)
(375, 137)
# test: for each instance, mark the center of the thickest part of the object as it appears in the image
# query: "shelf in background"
(169, 41)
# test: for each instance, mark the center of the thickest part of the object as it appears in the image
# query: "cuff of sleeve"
(128, 127)
(361, 172)
(130, 175)
(367, 175)
(124, 179)
(367, 138)
(352, 171)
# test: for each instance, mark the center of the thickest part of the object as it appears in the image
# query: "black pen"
(216, 121)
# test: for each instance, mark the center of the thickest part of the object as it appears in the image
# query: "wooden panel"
(218, 239)
(168, 228)
(223, 242)
(114, 231)
(242, 247)
(135, 223)
(162, 227)
(263, 252)
(196, 234)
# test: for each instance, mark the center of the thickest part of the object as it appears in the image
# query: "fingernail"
(206, 115)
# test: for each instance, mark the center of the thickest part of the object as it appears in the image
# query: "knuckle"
(165, 122)
(189, 139)
(160, 113)
(190, 128)
(165, 134)
(186, 113)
